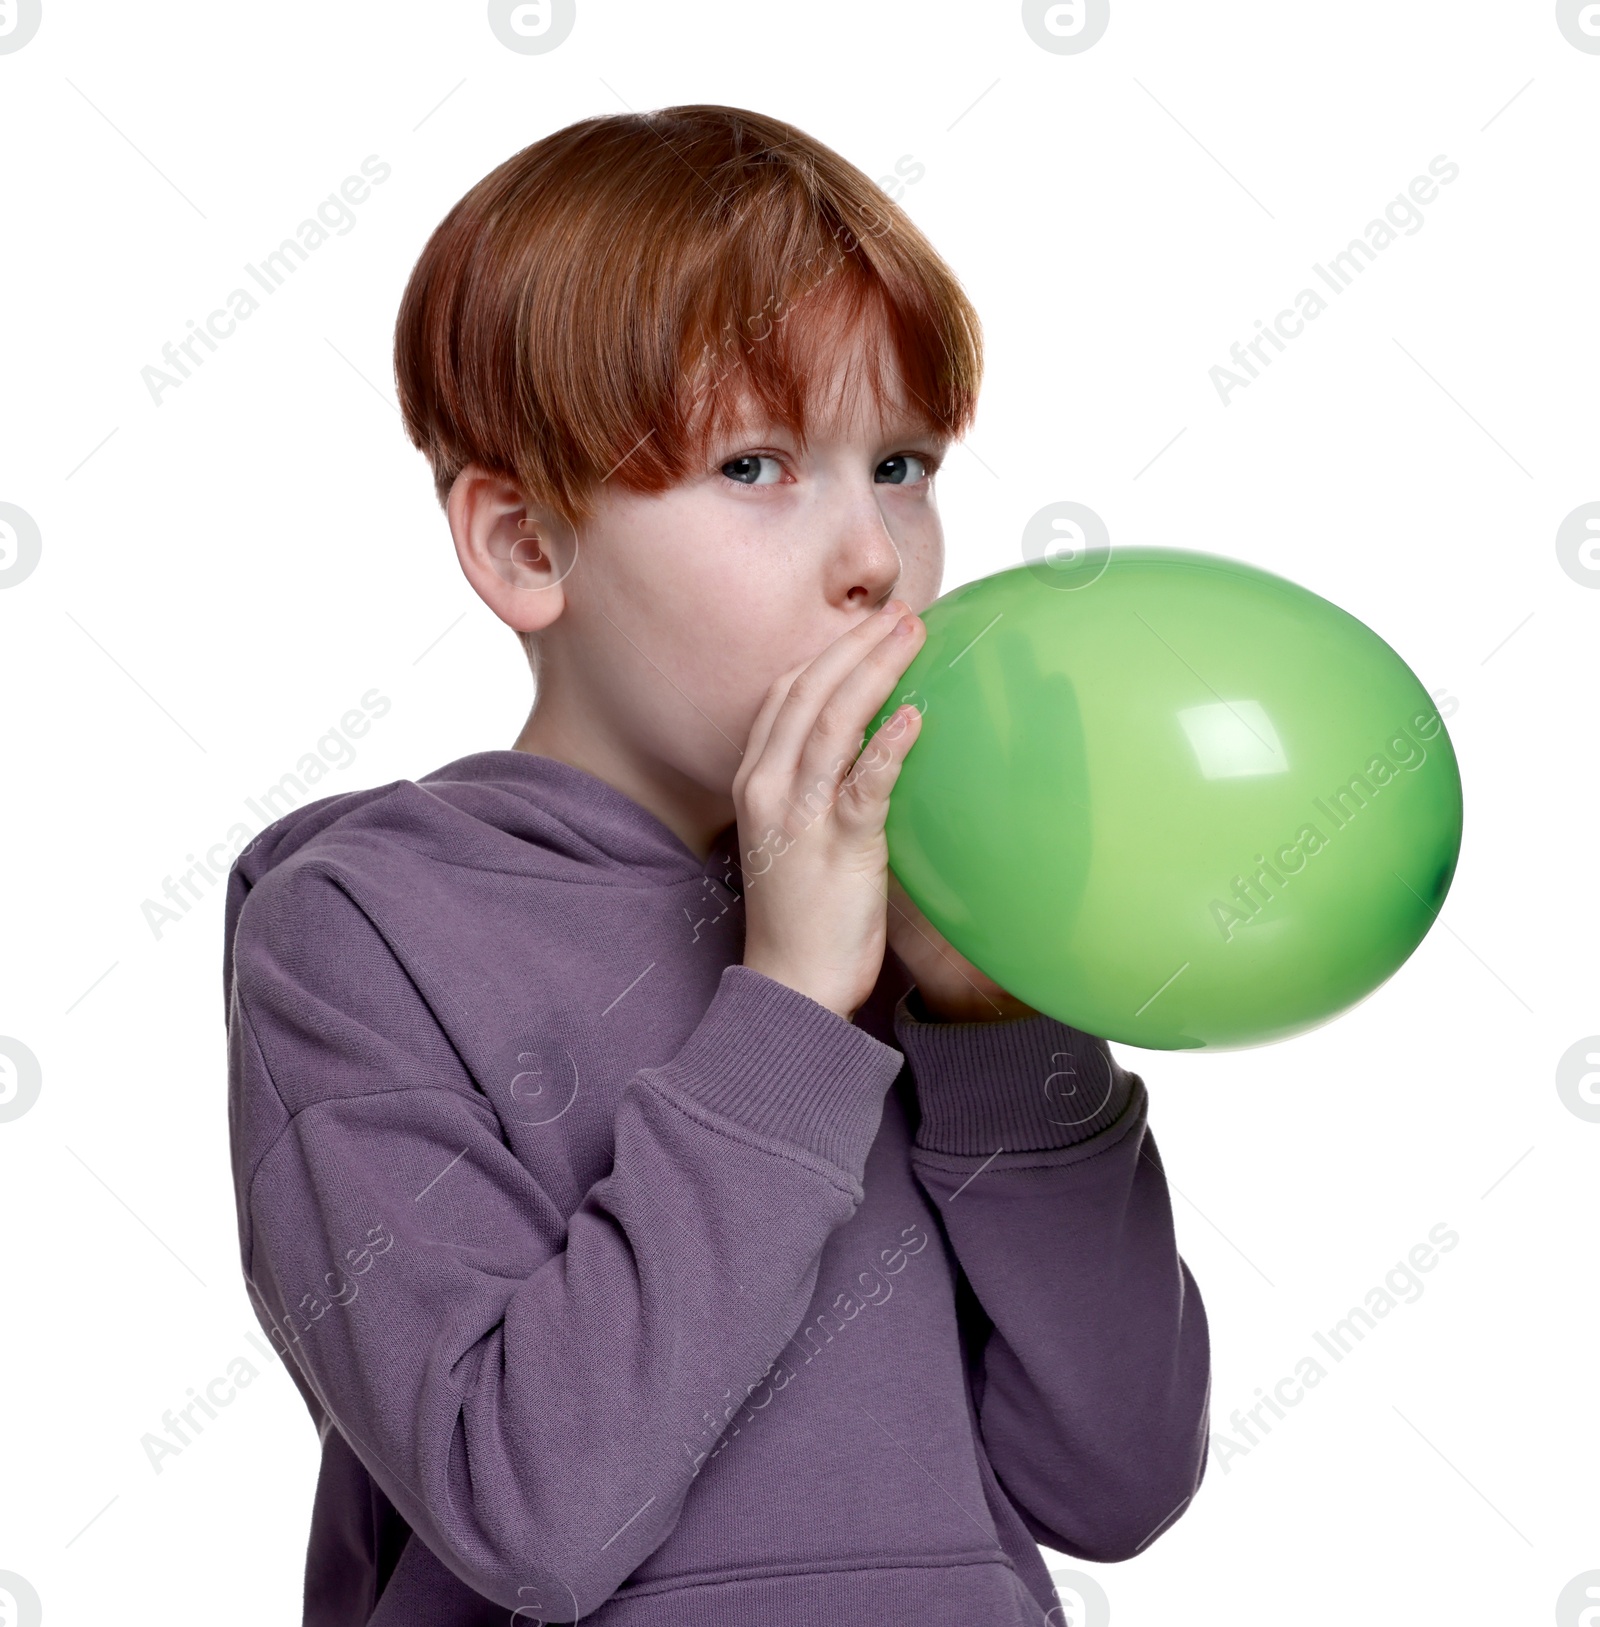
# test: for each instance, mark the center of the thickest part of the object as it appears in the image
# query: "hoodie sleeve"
(1092, 1373)
(527, 1387)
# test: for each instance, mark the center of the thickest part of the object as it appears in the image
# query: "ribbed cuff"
(1026, 1085)
(777, 1062)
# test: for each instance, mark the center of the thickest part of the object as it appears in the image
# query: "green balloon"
(1171, 799)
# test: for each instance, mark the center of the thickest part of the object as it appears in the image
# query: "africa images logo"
(20, 543)
(19, 22)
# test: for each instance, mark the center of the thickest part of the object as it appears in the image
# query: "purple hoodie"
(627, 1284)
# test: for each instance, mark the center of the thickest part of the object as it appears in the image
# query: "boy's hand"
(951, 988)
(811, 813)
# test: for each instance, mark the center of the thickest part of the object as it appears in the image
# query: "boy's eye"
(747, 469)
(904, 469)
(762, 469)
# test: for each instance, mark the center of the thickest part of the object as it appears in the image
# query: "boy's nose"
(868, 560)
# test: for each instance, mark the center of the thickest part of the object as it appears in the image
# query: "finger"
(864, 792)
(761, 727)
(807, 690)
(838, 736)
(820, 729)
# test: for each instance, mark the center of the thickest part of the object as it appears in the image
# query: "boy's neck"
(694, 815)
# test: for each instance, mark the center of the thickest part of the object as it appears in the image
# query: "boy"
(662, 1222)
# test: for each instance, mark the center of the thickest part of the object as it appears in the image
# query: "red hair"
(592, 309)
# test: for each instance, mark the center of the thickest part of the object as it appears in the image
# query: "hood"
(510, 811)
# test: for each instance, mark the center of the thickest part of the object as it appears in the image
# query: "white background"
(225, 574)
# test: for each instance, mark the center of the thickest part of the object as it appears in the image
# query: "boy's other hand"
(811, 806)
(951, 988)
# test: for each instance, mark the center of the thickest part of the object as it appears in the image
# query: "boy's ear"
(515, 555)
